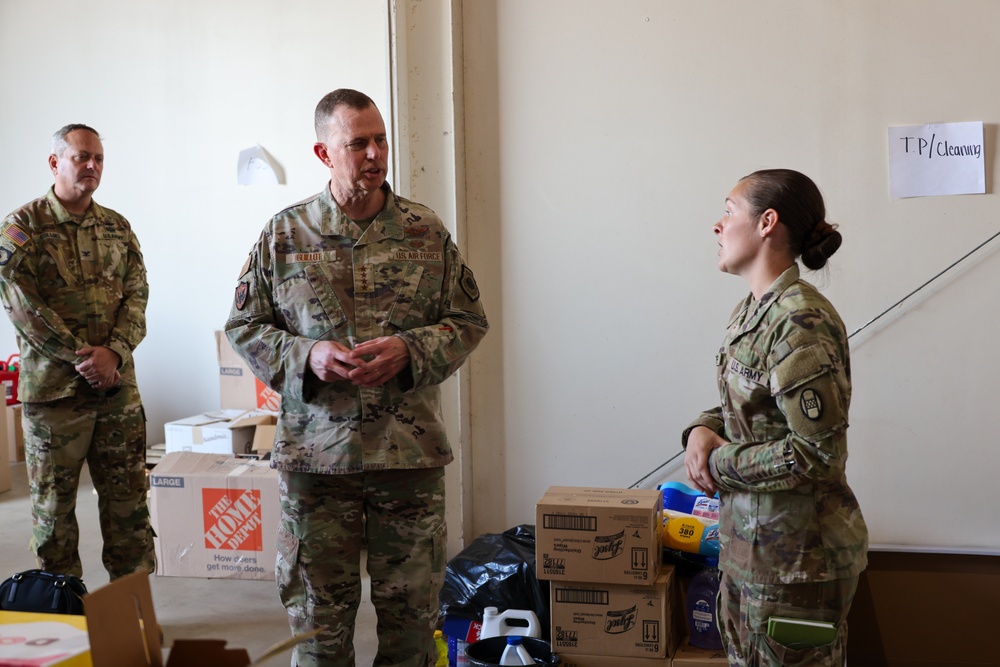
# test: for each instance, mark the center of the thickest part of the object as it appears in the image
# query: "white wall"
(602, 140)
(177, 89)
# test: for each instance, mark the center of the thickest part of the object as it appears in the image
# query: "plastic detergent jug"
(515, 653)
(701, 610)
(521, 622)
(690, 533)
(680, 497)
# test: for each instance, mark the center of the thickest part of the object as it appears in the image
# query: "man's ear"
(53, 163)
(320, 150)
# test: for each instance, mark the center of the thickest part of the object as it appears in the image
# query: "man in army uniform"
(355, 305)
(73, 283)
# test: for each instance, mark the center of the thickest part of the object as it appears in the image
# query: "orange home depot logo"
(232, 519)
(267, 398)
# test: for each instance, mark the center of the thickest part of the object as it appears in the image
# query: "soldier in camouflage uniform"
(73, 283)
(793, 540)
(355, 305)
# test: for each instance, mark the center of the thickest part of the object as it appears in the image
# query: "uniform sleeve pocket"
(804, 385)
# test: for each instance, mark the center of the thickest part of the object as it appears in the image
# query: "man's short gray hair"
(59, 138)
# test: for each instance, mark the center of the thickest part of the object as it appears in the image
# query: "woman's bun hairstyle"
(800, 208)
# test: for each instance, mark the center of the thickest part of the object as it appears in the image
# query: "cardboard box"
(118, 630)
(238, 388)
(581, 660)
(610, 536)
(692, 656)
(626, 620)
(220, 432)
(5, 454)
(14, 432)
(215, 516)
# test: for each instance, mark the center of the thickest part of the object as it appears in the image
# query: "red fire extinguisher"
(8, 377)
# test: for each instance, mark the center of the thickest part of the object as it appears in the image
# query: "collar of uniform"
(387, 224)
(93, 215)
(753, 311)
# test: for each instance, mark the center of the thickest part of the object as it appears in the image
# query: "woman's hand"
(700, 443)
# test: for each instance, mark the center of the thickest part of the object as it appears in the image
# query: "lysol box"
(215, 516)
(621, 620)
(603, 535)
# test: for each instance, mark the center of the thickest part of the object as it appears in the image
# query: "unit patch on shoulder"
(5, 255)
(468, 283)
(16, 234)
(811, 405)
(241, 294)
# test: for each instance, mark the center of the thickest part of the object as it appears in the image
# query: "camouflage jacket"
(787, 513)
(313, 275)
(66, 284)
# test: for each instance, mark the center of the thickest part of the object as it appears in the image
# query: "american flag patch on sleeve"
(15, 234)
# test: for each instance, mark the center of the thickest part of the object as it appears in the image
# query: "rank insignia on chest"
(364, 278)
(242, 290)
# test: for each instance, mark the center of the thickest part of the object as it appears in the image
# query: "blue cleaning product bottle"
(703, 622)
(680, 497)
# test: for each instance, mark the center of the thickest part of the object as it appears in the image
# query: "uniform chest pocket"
(112, 258)
(309, 304)
(411, 306)
(58, 260)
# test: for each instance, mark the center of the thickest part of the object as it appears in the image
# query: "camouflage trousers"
(109, 433)
(397, 516)
(744, 608)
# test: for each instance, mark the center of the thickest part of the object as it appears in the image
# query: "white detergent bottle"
(515, 653)
(521, 622)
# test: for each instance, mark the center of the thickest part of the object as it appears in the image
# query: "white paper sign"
(256, 168)
(943, 159)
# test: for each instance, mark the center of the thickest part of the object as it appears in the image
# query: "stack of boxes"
(612, 601)
(213, 498)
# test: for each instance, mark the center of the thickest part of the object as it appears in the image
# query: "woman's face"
(738, 233)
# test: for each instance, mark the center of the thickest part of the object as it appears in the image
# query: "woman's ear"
(768, 222)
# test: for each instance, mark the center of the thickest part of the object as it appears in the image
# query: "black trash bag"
(496, 571)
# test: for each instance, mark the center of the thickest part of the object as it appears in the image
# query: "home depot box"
(627, 620)
(14, 432)
(215, 516)
(219, 432)
(612, 536)
(692, 656)
(238, 388)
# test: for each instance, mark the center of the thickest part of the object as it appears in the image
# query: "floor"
(247, 614)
